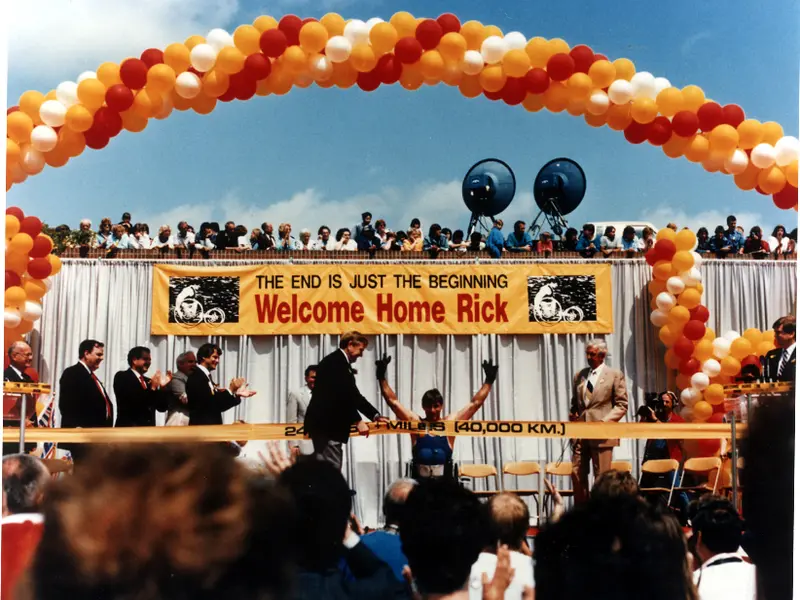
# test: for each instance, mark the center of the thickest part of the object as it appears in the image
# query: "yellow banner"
(374, 299)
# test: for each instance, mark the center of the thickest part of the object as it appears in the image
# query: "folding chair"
(624, 466)
(660, 467)
(702, 466)
(726, 479)
(525, 469)
(480, 471)
(557, 469)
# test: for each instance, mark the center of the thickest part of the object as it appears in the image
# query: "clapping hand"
(160, 380)
(380, 367)
(276, 461)
(503, 575)
(489, 371)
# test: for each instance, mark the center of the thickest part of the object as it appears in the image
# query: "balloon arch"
(271, 57)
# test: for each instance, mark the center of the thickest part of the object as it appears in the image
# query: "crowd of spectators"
(372, 237)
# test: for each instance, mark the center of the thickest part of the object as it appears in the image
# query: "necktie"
(103, 392)
(141, 380)
(783, 361)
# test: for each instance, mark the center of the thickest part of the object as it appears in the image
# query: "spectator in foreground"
(545, 244)
(609, 243)
(413, 243)
(381, 232)
(723, 575)
(227, 238)
(367, 241)
(104, 233)
(443, 530)
(629, 242)
(366, 219)
(163, 239)
(778, 241)
(436, 240)
(703, 244)
(204, 528)
(343, 241)
(509, 521)
(305, 242)
(184, 238)
(140, 239)
(588, 244)
(519, 240)
(719, 243)
(495, 243)
(285, 239)
(733, 236)
(321, 495)
(754, 244)
(672, 226)
(324, 241)
(648, 238)
(570, 243)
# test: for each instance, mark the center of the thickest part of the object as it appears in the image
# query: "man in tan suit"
(598, 394)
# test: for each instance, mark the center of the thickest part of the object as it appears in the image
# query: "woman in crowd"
(629, 242)
(457, 243)
(305, 240)
(205, 239)
(285, 239)
(414, 241)
(343, 241)
(164, 238)
(83, 236)
(754, 244)
(703, 244)
(476, 243)
(719, 243)
(381, 232)
(545, 244)
(400, 239)
(791, 248)
(119, 239)
(570, 242)
(104, 234)
(415, 224)
(648, 238)
(140, 238)
(778, 241)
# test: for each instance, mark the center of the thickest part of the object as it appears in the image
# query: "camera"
(653, 405)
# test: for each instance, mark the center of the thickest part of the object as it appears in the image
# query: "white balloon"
(373, 21)
(188, 85)
(218, 39)
(737, 162)
(32, 160)
(659, 318)
(338, 49)
(711, 367)
(203, 57)
(661, 83)
(52, 113)
(700, 381)
(356, 31)
(665, 301)
(691, 277)
(763, 156)
(472, 64)
(67, 93)
(32, 310)
(690, 396)
(87, 75)
(11, 318)
(620, 91)
(675, 285)
(731, 335)
(320, 66)
(598, 103)
(722, 347)
(698, 260)
(515, 40)
(686, 412)
(493, 49)
(43, 138)
(643, 85)
(787, 150)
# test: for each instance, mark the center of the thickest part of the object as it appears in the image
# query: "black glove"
(489, 372)
(380, 367)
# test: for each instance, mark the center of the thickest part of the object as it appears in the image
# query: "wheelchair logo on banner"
(567, 298)
(209, 300)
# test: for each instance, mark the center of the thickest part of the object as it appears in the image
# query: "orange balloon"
(693, 98)
(533, 102)
(516, 63)
(313, 37)
(194, 40)
(624, 69)
(383, 37)
(556, 98)
(55, 264)
(176, 56)
(602, 73)
(91, 93)
(747, 179)
(215, 83)
(698, 149)
(431, 64)
(470, 86)
(741, 347)
(493, 78)
(714, 394)
(669, 101)
(772, 180)
(404, 23)
(703, 350)
(134, 122)
(29, 103)
(772, 132)
(19, 127)
(108, 74)
(790, 171)
(619, 116)
(246, 38)
(452, 46)
(595, 120)
(147, 103)
(230, 60)
(730, 366)
(751, 133)
(537, 49)
(702, 410)
(363, 58)
(332, 22)
(644, 110)
(663, 270)
(690, 298)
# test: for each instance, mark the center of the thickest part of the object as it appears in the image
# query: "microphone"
(764, 365)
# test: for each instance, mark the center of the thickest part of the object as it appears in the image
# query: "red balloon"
(257, 66)
(133, 73)
(290, 25)
(107, 121)
(718, 408)
(12, 279)
(449, 23)
(408, 50)
(31, 225)
(689, 367)
(660, 131)
(600, 57)
(514, 91)
(685, 123)
(651, 256)
(636, 133)
(428, 34)
(389, 69)
(683, 348)
(537, 81)
(732, 114)
(309, 20)
(699, 313)
(694, 330)
(42, 246)
(665, 249)
(39, 268)
(752, 359)
(11, 110)
(493, 95)
(273, 42)
(119, 97)
(230, 93)
(96, 139)
(244, 86)
(369, 82)
(708, 447)
(786, 198)
(560, 66)
(152, 56)
(583, 57)
(709, 116)
(15, 211)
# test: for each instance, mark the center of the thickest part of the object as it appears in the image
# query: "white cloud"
(57, 36)
(709, 219)
(688, 46)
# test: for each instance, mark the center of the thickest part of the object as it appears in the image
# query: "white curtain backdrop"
(110, 301)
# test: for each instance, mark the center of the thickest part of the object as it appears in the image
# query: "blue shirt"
(514, 244)
(441, 242)
(583, 243)
(735, 240)
(634, 244)
(495, 242)
(386, 546)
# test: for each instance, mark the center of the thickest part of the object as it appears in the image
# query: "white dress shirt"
(487, 562)
(727, 581)
(208, 374)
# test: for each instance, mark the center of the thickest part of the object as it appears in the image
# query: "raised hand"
(380, 367)
(489, 371)
(236, 383)
(245, 392)
(503, 574)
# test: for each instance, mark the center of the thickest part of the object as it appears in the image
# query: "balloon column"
(29, 267)
(271, 57)
(704, 361)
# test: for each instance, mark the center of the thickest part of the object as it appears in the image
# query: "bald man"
(20, 357)
(24, 481)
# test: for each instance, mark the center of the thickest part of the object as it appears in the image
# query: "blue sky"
(320, 156)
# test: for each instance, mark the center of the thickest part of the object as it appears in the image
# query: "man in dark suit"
(336, 402)
(20, 357)
(781, 361)
(82, 398)
(139, 397)
(206, 400)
